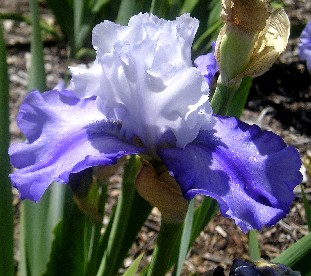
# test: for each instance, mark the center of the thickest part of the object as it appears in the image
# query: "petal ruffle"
(144, 77)
(65, 135)
(251, 173)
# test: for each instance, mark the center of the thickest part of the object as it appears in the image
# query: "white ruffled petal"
(143, 76)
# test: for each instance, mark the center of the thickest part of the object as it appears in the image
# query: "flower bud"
(251, 39)
(161, 191)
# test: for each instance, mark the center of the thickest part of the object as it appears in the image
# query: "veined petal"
(251, 173)
(65, 135)
(143, 76)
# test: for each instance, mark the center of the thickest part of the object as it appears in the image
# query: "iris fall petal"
(65, 135)
(251, 173)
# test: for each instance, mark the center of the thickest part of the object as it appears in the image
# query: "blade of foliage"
(131, 271)
(126, 10)
(98, 253)
(37, 71)
(188, 6)
(210, 25)
(307, 208)
(139, 212)
(89, 194)
(297, 256)
(6, 210)
(63, 12)
(202, 39)
(185, 238)
(254, 250)
(160, 8)
(130, 7)
(164, 248)
(202, 216)
(118, 232)
(77, 19)
(98, 5)
(82, 24)
(37, 223)
(240, 97)
(97, 242)
(69, 245)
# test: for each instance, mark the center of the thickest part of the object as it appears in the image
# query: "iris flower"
(304, 45)
(143, 96)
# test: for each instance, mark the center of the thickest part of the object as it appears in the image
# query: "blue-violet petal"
(251, 173)
(64, 135)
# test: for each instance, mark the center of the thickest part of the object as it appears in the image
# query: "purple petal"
(304, 45)
(207, 65)
(65, 135)
(251, 173)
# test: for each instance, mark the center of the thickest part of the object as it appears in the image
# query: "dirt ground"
(280, 100)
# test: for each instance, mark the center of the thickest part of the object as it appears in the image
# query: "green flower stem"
(164, 248)
(222, 98)
(109, 265)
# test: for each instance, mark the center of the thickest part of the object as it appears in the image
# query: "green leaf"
(254, 250)
(126, 10)
(63, 12)
(185, 238)
(160, 8)
(307, 208)
(210, 24)
(68, 253)
(188, 6)
(37, 71)
(97, 255)
(36, 235)
(167, 238)
(138, 215)
(131, 271)
(202, 216)
(124, 226)
(297, 256)
(6, 208)
(99, 4)
(202, 39)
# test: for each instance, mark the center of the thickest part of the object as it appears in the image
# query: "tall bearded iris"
(143, 96)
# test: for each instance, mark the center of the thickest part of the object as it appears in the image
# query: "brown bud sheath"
(162, 191)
